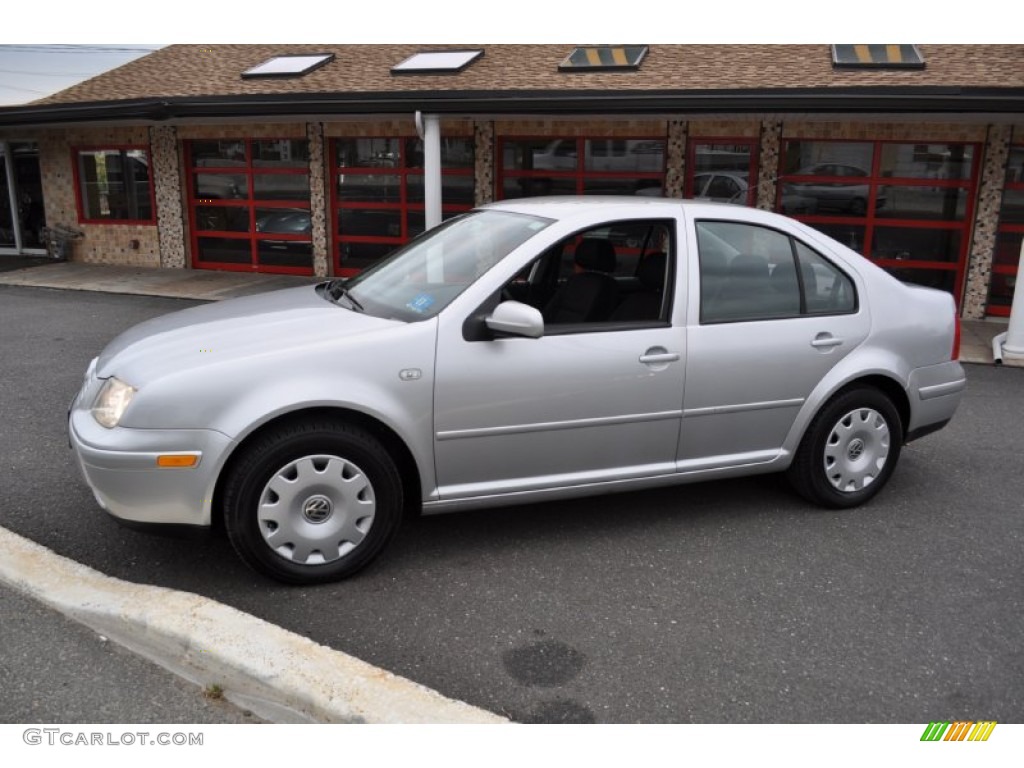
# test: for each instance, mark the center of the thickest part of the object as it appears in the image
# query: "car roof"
(570, 207)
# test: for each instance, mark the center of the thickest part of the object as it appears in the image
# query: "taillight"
(955, 355)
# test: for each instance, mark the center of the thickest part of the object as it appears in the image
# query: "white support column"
(1012, 342)
(12, 193)
(431, 135)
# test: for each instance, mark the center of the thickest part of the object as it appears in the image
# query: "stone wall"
(768, 163)
(986, 221)
(170, 209)
(575, 128)
(318, 186)
(675, 158)
(878, 130)
(483, 145)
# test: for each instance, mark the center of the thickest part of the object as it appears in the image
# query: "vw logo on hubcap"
(856, 449)
(316, 509)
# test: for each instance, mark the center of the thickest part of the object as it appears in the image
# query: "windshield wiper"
(337, 290)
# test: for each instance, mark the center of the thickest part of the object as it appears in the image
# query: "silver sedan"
(526, 351)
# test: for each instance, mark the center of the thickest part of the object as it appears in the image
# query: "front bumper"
(120, 466)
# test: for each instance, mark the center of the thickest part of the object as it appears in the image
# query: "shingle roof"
(186, 71)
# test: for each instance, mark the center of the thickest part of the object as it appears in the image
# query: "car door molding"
(548, 426)
(795, 402)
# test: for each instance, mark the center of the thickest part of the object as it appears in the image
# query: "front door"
(598, 398)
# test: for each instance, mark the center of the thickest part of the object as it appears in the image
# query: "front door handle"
(658, 355)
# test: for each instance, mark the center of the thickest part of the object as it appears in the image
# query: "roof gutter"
(921, 100)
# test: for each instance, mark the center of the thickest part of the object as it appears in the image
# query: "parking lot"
(723, 602)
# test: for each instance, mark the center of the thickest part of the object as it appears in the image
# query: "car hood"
(220, 332)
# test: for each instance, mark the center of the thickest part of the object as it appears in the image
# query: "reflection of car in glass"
(525, 351)
(284, 223)
(845, 194)
(612, 156)
(733, 187)
(220, 186)
(722, 187)
(602, 155)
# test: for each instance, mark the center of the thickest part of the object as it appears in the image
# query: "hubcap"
(316, 509)
(857, 450)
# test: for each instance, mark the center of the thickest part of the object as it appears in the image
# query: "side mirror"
(513, 318)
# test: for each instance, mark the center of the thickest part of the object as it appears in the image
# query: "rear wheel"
(312, 501)
(849, 451)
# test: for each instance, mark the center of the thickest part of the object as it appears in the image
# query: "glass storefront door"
(22, 217)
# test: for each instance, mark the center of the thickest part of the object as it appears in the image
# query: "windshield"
(424, 277)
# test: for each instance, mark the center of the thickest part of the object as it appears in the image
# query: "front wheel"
(849, 451)
(312, 502)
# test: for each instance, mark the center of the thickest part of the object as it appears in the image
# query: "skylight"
(436, 62)
(595, 58)
(295, 65)
(877, 56)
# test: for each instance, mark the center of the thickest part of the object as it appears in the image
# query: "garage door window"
(907, 206)
(378, 194)
(533, 167)
(249, 205)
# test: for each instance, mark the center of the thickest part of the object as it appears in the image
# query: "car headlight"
(111, 402)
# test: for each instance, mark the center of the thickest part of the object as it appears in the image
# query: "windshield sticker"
(421, 303)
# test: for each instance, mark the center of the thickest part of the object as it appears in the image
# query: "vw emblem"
(316, 509)
(855, 450)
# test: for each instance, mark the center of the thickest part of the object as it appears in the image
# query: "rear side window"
(750, 272)
(827, 290)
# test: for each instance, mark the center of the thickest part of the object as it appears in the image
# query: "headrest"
(595, 255)
(745, 265)
(651, 272)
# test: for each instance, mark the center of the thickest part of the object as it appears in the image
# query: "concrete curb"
(280, 676)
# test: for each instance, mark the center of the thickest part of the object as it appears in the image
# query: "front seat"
(646, 303)
(590, 294)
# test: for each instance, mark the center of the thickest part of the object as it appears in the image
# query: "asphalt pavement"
(55, 670)
(720, 602)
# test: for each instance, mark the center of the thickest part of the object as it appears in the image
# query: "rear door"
(774, 318)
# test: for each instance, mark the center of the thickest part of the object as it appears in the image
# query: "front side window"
(750, 272)
(113, 185)
(424, 277)
(604, 278)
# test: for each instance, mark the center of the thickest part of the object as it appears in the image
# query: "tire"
(312, 502)
(849, 451)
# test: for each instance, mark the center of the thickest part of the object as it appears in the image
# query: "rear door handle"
(825, 341)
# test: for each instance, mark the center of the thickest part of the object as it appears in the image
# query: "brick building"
(308, 159)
